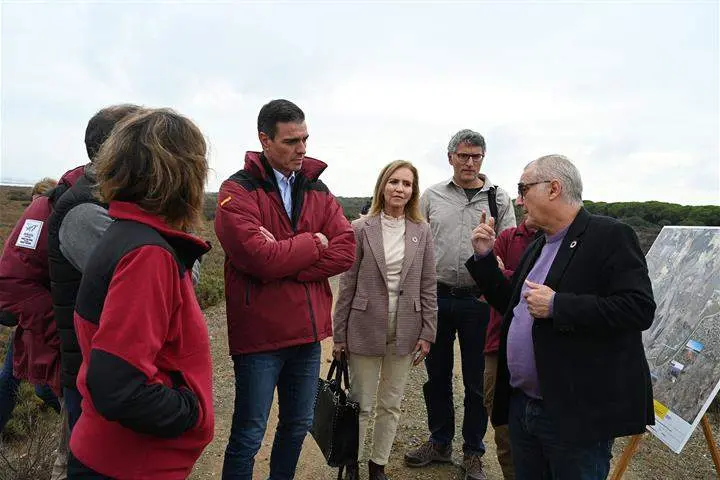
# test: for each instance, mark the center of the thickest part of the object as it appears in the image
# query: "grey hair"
(559, 167)
(470, 137)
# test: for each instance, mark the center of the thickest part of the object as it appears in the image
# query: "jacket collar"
(71, 176)
(131, 211)
(522, 230)
(258, 166)
(374, 235)
(570, 244)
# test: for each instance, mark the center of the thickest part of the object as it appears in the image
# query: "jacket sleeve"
(425, 206)
(626, 304)
(340, 253)
(237, 225)
(428, 290)
(501, 249)
(24, 284)
(491, 281)
(123, 379)
(346, 290)
(81, 229)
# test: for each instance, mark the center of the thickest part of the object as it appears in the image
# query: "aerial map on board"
(683, 344)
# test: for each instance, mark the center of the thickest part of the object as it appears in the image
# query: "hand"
(483, 237)
(338, 348)
(422, 348)
(501, 265)
(266, 233)
(539, 299)
(323, 239)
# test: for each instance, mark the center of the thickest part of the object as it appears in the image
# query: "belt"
(457, 292)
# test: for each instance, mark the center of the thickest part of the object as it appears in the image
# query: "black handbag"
(335, 425)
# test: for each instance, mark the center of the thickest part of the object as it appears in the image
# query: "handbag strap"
(340, 369)
(344, 373)
(337, 369)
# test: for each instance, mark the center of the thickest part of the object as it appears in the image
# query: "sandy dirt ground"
(652, 461)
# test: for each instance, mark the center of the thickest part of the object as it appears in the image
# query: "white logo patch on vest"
(30, 234)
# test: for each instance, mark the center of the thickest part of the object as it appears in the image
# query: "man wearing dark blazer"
(572, 374)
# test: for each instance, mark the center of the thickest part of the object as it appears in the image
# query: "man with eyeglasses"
(572, 373)
(453, 208)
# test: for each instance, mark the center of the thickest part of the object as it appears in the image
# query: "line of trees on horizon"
(650, 213)
(637, 214)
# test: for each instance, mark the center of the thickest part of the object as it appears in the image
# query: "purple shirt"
(520, 348)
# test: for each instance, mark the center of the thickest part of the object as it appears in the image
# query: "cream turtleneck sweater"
(393, 230)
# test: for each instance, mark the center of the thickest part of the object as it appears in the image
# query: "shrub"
(29, 442)
(211, 289)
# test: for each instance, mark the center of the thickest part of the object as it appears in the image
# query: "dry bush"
(211, 289)
(29, 443)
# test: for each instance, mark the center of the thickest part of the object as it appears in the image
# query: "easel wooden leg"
(627, 454)
(711, 443)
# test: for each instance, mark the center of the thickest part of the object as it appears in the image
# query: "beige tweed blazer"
(360, 319)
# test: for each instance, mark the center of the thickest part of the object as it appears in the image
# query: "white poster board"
(683, 343)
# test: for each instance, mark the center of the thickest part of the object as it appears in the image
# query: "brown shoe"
(352, 472)
(427, 453)
(376, 472)
(472, 464)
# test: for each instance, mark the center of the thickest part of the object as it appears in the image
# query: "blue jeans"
(540, 453)
(294, 371)
(467, 317)
(9, 385)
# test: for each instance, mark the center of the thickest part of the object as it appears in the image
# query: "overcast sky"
(628, 90)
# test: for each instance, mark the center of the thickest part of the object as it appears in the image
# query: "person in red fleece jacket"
(284, 234)
(25, 290)
(146, 372)
(509, 248)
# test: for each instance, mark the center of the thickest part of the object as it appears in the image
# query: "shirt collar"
(282, 178)
(557, 236)
(486, 185)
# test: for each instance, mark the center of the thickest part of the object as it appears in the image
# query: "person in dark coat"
(572, 374)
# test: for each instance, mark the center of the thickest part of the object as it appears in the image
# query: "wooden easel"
(632, 447)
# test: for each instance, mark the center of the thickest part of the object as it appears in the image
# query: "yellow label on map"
(660, 410)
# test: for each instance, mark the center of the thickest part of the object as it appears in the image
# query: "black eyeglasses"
(475, 157)
(524, 187)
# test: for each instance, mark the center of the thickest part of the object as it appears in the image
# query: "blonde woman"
(386, 312)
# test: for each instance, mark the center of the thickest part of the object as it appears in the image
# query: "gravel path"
(653, 461)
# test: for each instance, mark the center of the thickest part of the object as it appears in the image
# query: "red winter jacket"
(277, 292)
(25, 292)
(146, 373)
(509, 246)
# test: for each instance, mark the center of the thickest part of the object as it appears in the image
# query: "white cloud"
(627, 91)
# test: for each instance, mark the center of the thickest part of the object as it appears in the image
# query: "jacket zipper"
(312, 312)
(296, 210)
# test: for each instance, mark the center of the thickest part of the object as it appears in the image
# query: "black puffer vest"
(65, 279)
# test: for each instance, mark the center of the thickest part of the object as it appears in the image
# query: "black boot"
(376, 472)
(352, 472)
